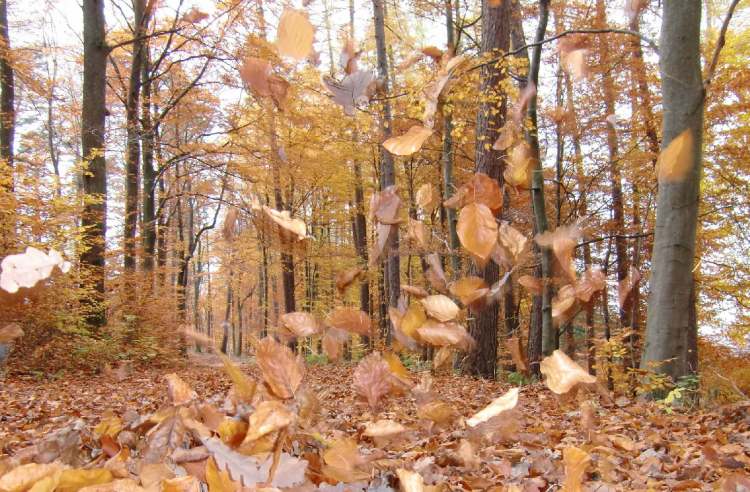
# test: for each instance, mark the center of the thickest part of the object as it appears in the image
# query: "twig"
(276, 455)
(719, 44)
(734, 385)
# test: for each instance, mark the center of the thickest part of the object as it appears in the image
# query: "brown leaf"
(384, 206)
(257, 74)
(445, 334)
(408, 143)
(435, 274)
(383, 428)
(471, 291)
(243, 385)
(477, 230)
(351, 320)
(562, 373)
(440, 307)
(592, 281)
(410, 481)
(434, 89)
(301, 324)
(626, 285)
(427, 198)
(178, 390)
(479, 189)
(576, 461)
(563, 241)
(519, 110)
(512, 243)
(507, 136)
(194, 16)
(333, 342)
(413, 318)
(24, 476)
(343, 461)
(415, 291)
(294, 35)
(519, 166)
(268, 417)
(676, 161)
(349, 56)
(443, 359)
(499, 405)
(292, 229)
(417, 233)
(281, 370)
(345, 278)
(356, 88)
(532, 284)
(371, 379)
(10, 332)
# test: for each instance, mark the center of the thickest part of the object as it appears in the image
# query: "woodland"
(368, 245)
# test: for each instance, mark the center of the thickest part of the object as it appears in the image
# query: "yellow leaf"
(232, 431)
(410, 481)
(499, 405)
(268, 417)
(383, 428)
(187, 483)
(440, 307)
(576, 460)
(409, 142)
(73, 480)
(243, 385)
(562, 373)
(24, 476)
(218, 480)
(281, 370)
(676, 161)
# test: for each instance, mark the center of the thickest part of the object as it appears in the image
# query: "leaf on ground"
(179, 391)
(24, 476)
(410, 481)
(576, 460)
(269, 416)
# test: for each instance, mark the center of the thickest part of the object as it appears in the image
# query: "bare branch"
(719, 44)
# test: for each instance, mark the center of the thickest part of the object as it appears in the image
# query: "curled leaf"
(351, 320)
(372, 379)
(179, 391)
(409, 142)
(356, 88)
(519, 165)
(345, 278)
(300, 324)
(499, 405)
(479, 189)
(576, 461)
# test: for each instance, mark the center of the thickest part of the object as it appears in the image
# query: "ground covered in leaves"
(206, 425)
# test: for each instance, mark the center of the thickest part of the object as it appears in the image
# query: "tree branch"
(719, 44)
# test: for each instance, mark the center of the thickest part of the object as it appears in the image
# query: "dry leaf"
(345, 278)
(417, 233)
(562, 373)
(519, 166)
(439, 412)
(257, 74)
(415, 291)
(342, 462)
(443, 359)
(281, 370)
(563, 241)
(412, 320)
(518, 354)
(24, 476)
(471, 291)
(435, 274)
(179, 391)
(676, 161)
(351, 320)
(301, 324)
(372, 379)
(289, 228)
(627, 284)
(333, 342)
(217, 480)
(194, 15)
(532, 284)
(356, 88)
(499, 405)
(427, 198)
(519, 110)
(507, 136)
(243, 385)
(295, 34)
(445, 334)
(349, 56)
(10, 332)
(383, 428)
(477, 230)
(479, 189)
(410, 481)
(592, 281)
(512, 243)
(384, 206)
(73, 480)
(576, 460)
(409, 142)
(440, 307)
(269, 416)
(27, 268)
(574, 62)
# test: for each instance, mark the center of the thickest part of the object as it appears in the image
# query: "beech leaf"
(562, 373)
(409, 142)
(281, 370)
(499, 405)
(294, 35)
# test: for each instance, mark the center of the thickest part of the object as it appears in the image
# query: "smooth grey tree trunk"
(93, 116)
(669, 306)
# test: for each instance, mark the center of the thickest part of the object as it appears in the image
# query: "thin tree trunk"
(148, 137)
(133, 154)
(93, 116)
(7, 131)
(670, 305)
(447, 158)
(491, 116)
(387, 170)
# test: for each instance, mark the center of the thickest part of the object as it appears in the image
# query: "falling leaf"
(532, 284)
(592, 281)
(512, 244)
(349, 56)
(440, 307)
(342, 462)
(479, 189)
(395, 365)
(351, 320)
(625, 286)
(10, 332)
(371, 379)
(434, 89)
(562, 373)
(427, 198)
(439, 412)
(413, 318)
(477, 230)
(633, 9)
(288, 225)
(28, 268)
(443, 359)
(588, 419)
(563, 304)
(269, 416)
(179, 391)
(356, 88)
(471, 290)
(507, 136)
(257, 74)
(384, 206)
(194, 16)
(563, 241)
(435, 274)
(295, 34)
(417, 233)
(517, 354)
(333, 342)
(345, 278)
(445, 334)
(301, 324)
(676, 161)
(383, 428)
(410, 481)
(244, 386)
(383, 235)
(281, 370)
(415, 291)
(519, 166)
(575, 460)
(519, 110)
(499, 405)
(409, 142)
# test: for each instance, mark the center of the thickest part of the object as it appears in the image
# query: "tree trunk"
(7, 132)
(133, 154)
(490, 118)
(93, 116)
(387, 171)
(148, 137)
(670, 303)
(549, 335)
(447, 158)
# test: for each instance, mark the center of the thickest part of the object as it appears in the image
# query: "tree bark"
(93, 116)
(387, 170)
(491, 116)
(447, 157)
(148, 137)
(7, 132)
(670, 302)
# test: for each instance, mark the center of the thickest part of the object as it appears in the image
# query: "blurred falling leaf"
(415, 291)
(576, 460)
(626, 285)
(563, 241)
(518, 354)
(300, 324)
(269, 416)
(410, 481)
(384, 206)
(469, 290)
(290, 228)
(512, 243)
(27, 268)
(427, 198)
(257, 74)
(519, 165)
(351, 320)
(178, 390)
(443, 359)
(281, 370)
(445, 334)
(592, 281)
(532, 284)
(244, 386)
(345, 278)
(10, 332)
(499, 405)
(342, 461)
(409, 142)
(355, 89)
(349, 56)
(507, 136)
(562, 373)
(294, 35)
(417, 233)
(435, 274)
(676, 161)
(479, 189)
(519, 110)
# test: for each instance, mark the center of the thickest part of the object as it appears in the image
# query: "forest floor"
(629, 444)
